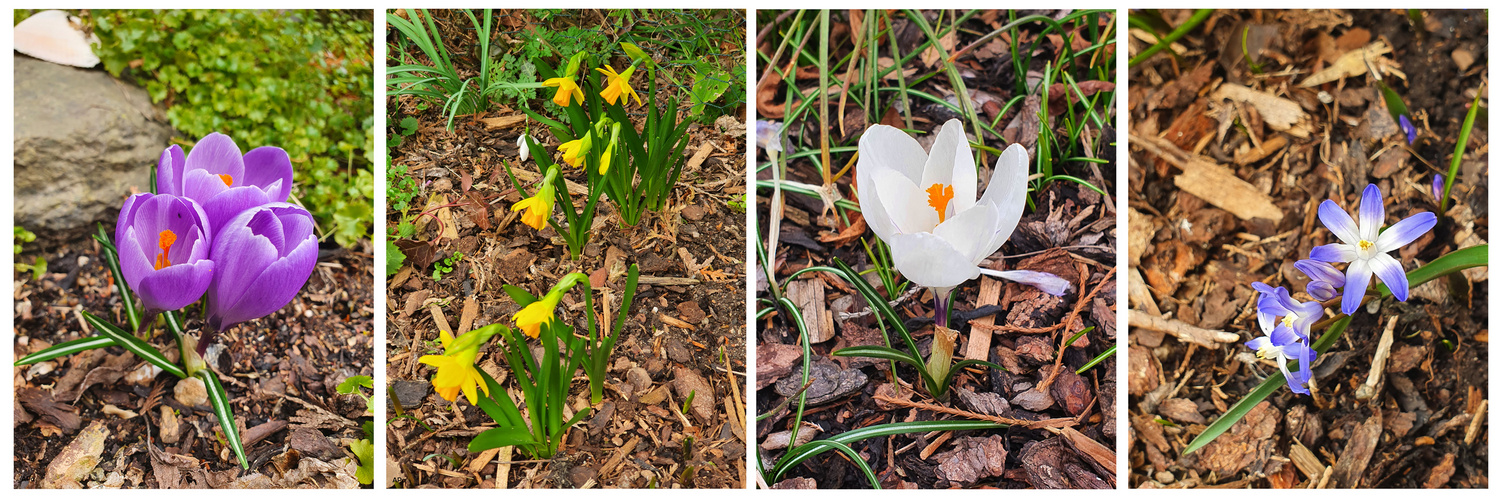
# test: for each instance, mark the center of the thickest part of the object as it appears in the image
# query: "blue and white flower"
(1366, 248)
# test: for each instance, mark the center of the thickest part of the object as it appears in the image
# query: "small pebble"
(190, 392)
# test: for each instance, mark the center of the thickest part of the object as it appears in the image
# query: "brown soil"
(1194, 260)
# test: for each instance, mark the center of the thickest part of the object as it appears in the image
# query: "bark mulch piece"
(685, 333)
(1225, 180)
(1070, 233)
(104, 418)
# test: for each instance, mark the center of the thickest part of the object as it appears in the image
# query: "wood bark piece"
(1279, 113)
(1183, 331)
(1352, 63)
(979, 338)
(808, 295)
(1357, 452)
(1211, 182)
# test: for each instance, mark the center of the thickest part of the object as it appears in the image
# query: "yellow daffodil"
(530, 318)
(536, 210)
(617, 84)
(573, 151)
(455, 367)
(566, 88)
(609, 151)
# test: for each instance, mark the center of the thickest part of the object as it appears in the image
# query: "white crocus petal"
(968, 232)
(1007, 193)
(951, 164)
(1050, 284)
(927, 260)
(872, 206)
(905, 203)
(884, 147)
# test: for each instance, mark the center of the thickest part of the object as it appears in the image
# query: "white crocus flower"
(927, 207)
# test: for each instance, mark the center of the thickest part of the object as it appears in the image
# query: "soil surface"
(1070, 233)
(107, 405)
(1224, 189)
(684, 334)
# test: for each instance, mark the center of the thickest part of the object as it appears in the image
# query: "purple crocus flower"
(225, 183)
(1326, 279)
(1288, 337)
(266, 254)
(1365, 247)
(163, 243)
(1411, 130)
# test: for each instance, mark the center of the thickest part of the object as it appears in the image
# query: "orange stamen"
(165, 241)
(228, 180)
(938, 196)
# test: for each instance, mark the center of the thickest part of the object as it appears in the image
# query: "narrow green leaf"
(220, 401)
(801, 453)
(501, 436)
(66, 348)
(134, 345)
(853, 457)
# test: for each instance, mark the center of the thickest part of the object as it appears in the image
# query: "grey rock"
(82, 140)
(410, 392)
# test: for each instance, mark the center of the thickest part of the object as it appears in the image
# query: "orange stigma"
(938, 196)
(228, 180)
(165, 241)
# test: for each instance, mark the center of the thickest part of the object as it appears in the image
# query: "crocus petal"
(929, 261)
(951, 163)
(1007, 193)
(1390, 272)
(905, 204)
(217, 154)
(229, 203)
(968, 232)
(1371, 213)
(888, 148)
(127, 214)
(1338, 221)
(1046, 282)
(1334, 252)
(175, 287)
(269, 168)
(1356, 280)
(1402, 233)
(258, 277)
(169, 171)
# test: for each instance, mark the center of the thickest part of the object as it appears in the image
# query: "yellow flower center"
(1365, 245)
(165, 241)
(938, 196)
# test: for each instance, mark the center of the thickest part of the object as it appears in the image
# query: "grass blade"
(1458, 150)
